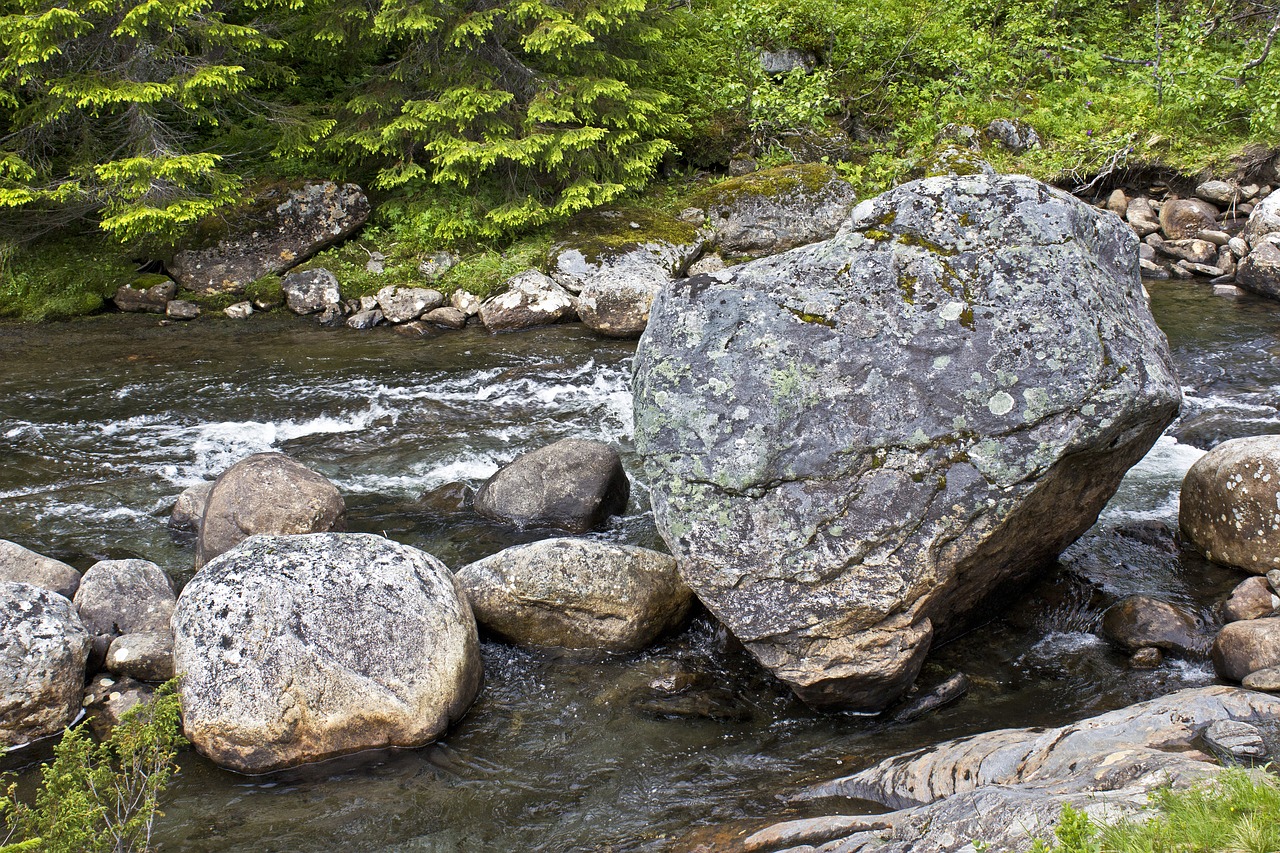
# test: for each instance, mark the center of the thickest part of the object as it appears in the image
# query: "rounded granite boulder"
(1230, 504)
(43, 651)
(294, 649)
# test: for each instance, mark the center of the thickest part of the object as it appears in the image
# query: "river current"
(106, 420)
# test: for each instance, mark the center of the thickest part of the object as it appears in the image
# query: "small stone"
(1264, 679)
(467, 303)
(188, 509)
(377, 263)
(1217, 238)
(450, 318)
(1235, 739)
(1226, 290)
(181, 309)
(331, 315)
(1238, 247)
(239, 311)
(692, 215)
(364, 320)
(437, 265)
(1118, 202)
(1218, 192)
(107, 699)
(1140, 621)
(573, 484)
(150, 300)
(1245, 647)
(401, 304)
(311, 291)
(1273, 578)
(1147, 657)
(144, 656)
(1151, 269)
(366, 303)
(412, 329)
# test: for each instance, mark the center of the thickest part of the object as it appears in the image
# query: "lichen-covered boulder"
(1264, 220)
(573, 484)
(853, 445)
(43, 650)
(616, 261)
(294, 649)
(278, 230)
(311, 291)
(270, 494)
(402, 304)
(1229, 508)
(22, 565)
(774, 210)
(577, 593)
(531, 299)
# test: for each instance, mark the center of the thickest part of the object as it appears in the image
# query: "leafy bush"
(100, 798)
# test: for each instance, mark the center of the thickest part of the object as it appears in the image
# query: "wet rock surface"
(854, 444)
(573, 484)
(294, 649)
(578, 594)
(1140, 622)
(266, 493)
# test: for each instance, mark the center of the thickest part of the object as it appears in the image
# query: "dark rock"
(332, 315)
(280, 229)
(447, 317)
(1230, 503)
(449, 498)
(21, 565)
(1181, 218)
(267, 493)
(188, 510)
(43, 650)
(181, 309)
(578, 594)
(1252, 599)
(293, 649)
(775, 63)
(1147, 657)
(1140, 621)
(311, 291)
(573, 484)
(942, 695)
(777, 209)
(1246, 647)
(108, 698)
(364, 320)
(855, 445)
(151, 299)
(531, 299)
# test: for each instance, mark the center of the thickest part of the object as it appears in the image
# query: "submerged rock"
(276, 231)
(854, 445)
(573, 484)
(293, 649)
(578, 594)
(1230, 503)
(43, 650)
(1140, 621)
(267, 493)
(22, 565)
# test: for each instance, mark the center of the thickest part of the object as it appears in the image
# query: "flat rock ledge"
(1007, 788)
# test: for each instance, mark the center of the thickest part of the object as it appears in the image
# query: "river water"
(106, 420)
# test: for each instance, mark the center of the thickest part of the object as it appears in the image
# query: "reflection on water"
(106, 420)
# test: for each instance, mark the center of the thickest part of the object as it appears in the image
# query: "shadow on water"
(106, 421)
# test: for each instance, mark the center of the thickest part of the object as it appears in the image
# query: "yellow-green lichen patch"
(813, 318)
(810, 178)
(604, 234)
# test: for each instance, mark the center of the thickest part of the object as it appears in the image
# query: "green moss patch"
(68, 277)
(809, 178)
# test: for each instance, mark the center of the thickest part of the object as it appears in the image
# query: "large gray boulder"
(774, 210)
(1229, 507)
(43, 650)
(1002, 790)
(573, 484)
(578, 594)
(293, 649)
(21, 565)
(278, 230)
(853, 445)
(270, 494)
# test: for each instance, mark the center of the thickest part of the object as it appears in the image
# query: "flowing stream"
(106, 420)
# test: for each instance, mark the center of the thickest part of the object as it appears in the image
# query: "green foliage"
(100, 798)
(1237, 811)
(108, 101)
(60, 278)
